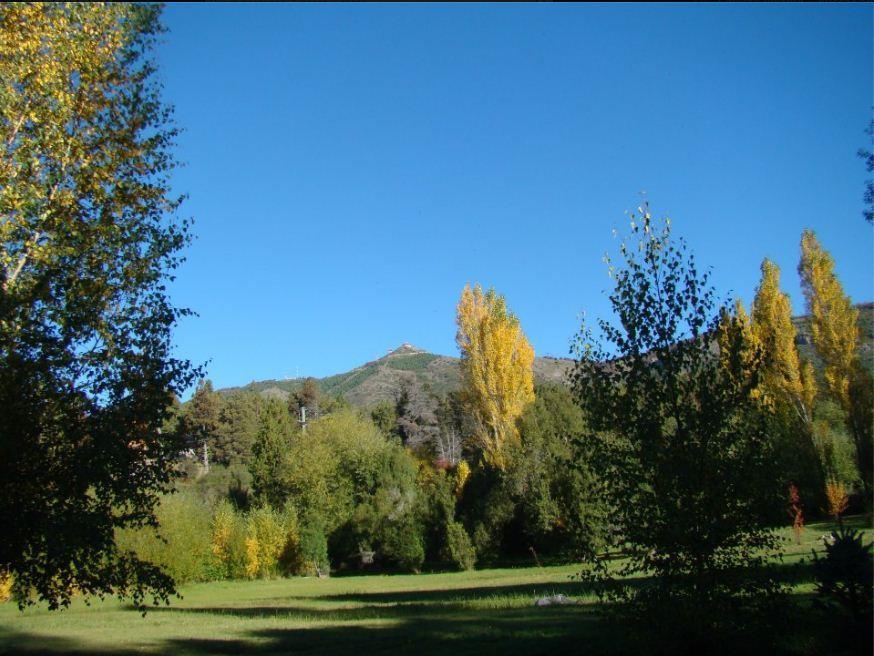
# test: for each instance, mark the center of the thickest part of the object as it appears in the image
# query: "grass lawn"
(487, 611)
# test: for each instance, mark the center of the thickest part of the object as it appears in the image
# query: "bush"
(181, 546)
(228, 541)
(403, 546)
(272, 541)
(313, 550)
(843, 577)
(262, 543)
(6, 581)
(458, 549)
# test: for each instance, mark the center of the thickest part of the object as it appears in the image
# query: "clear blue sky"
(351, 167)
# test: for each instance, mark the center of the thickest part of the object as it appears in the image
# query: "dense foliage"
(88, 242)
(497, 380)
(681, 442)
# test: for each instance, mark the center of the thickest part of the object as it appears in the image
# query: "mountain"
(382, 379)
(428, 373)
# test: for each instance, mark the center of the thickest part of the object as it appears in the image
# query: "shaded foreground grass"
(488, 611)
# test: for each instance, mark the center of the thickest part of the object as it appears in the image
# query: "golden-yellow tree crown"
(833, 319)
(784, 380)
(496, 368)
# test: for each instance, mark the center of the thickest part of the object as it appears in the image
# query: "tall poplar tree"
(835, 330)
(784, 377)
(496, 370)
(88, 241)
(788, 386)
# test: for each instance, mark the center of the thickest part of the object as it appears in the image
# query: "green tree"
(88, 241)
(681, 444)
(270, 452)
(201, 421)
(385, 418)
(238, 426)
(309, 397)
(546, 499)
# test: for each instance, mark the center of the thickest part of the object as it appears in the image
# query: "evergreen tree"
(309, 397)
(202, 421)
(385, 418)
(238, 426)
(270, 453)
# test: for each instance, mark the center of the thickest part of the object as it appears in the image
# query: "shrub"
(462, 473)
(402, 545)
(843, 577)
(182, 544)
(458, 549)
(844, 582)
(313, 550)
(228, 546)
(270, 536)
(262, 543)
(837, 499)
(6, 581)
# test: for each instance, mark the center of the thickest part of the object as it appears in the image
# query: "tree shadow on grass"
(562, 630)
(476, 620)
(532, 590)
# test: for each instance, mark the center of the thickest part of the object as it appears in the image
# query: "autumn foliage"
(796, 512)
(496, 370)
(837, 498)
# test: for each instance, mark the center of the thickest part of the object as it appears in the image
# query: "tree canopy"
(496, 361)
(88, 241)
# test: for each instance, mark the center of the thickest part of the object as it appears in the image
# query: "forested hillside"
(408, 367)
(429, 375)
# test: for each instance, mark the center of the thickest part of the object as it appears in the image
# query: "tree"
(88, 241)
(238, 426)
(416, 423)
(868, 156)
(270, 452)
(385, 418)
(835, 330)
(680, 442)
(784, 379)
(202, 420)
(308, 396)
(545, 500)
(496, 370)
(788, 387)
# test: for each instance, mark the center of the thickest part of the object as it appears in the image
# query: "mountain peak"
(406, 348)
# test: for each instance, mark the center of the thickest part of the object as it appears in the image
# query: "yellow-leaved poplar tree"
(739, 351)
(787, 387)
(835, 331)
(833, 319)
(784, 379)
(496, 370)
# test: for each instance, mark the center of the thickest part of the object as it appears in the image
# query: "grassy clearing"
(487, 611)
